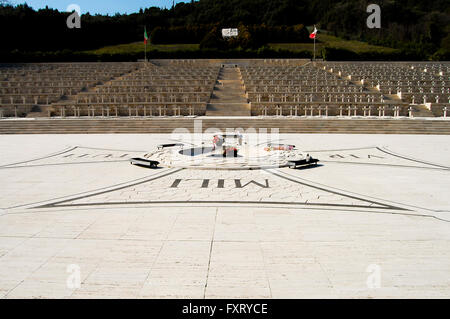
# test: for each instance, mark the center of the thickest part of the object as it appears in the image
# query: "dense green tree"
(213, 40)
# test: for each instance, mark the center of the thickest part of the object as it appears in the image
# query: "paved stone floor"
(372, 221)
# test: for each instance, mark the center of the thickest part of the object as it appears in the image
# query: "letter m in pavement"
(239, 184)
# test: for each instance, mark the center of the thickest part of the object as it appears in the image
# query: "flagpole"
(314, 59)
(145, 42)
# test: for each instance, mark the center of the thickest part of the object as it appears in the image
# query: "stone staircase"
(126, 125)
(43, 111)
(421, 111)
(228, 98)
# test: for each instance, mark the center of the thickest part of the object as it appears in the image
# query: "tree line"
(210, 35)
(418, 26)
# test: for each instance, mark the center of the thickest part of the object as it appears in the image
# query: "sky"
(110, 7)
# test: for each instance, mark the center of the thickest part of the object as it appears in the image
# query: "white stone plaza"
(77, 220)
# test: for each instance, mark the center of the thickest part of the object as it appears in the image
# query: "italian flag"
(145, 35)
(314, 34)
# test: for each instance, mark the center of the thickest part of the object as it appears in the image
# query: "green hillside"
(139, 47)
(324, 40)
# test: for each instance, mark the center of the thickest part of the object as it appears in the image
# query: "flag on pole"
(314, 34)
(145, 35)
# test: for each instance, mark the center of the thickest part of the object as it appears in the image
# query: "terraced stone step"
(228, 97)
(168, 125)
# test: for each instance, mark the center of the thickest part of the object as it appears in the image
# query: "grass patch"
(325, 40)
(139, 47)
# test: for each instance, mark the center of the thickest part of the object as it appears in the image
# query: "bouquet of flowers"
(279, 148)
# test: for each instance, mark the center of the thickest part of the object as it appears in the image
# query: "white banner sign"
(230, 33)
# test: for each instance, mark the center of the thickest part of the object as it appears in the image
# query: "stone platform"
(371, 221)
